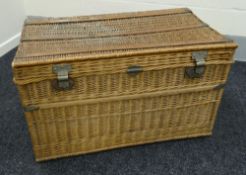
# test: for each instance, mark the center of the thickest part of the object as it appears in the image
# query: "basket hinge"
(199, 68)
(30, 108)
(63, 82)
(219, 86)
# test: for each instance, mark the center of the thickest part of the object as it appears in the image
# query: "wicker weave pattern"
(87, 127)
(107, 107)
(117, 33)
(101, 78)
(174, 38)
(114, 27)
(96, 86)
(25, 75)
(103, 17)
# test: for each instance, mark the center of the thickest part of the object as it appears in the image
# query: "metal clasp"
(199, 68)
(63, 81)
(134, 70)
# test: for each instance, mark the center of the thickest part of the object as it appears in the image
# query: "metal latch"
(199, 68)
(63, 81)
(134, 70)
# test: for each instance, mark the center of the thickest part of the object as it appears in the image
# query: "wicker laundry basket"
(92, 83)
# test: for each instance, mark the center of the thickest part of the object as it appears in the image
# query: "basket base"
(203, 134)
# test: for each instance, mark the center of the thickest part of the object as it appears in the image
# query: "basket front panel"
(82, 128)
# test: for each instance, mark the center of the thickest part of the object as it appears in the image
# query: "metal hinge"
(219, 86)
(199, 68)
(63, 81)
(30, 108)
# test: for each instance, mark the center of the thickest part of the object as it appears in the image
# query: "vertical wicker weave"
(107, 106)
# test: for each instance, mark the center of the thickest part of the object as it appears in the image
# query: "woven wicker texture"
(101, 78)
(100, 35)
(93, 125)
(105, 85)
(107, 107)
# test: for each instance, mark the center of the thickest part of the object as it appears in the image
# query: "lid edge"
(226, 44)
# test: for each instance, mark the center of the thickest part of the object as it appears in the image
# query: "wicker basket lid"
(49, 40)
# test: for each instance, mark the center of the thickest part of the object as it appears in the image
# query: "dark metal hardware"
(134, 70)
(219, 86)
(63, 82)
(198, 70)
